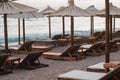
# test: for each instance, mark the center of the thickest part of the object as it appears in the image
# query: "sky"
(99, 4)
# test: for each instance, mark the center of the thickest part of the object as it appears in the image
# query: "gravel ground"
(56, 67)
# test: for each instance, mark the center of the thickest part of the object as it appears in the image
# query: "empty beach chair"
(113, 45)
(91, 39)
(100, 67)
(24, 48)
(3, 70)
(85, 75)
(68, 54)
(91, 50)
(29, 62)
(98, 37)
(56, 37)
(28, 47)
(62, 42)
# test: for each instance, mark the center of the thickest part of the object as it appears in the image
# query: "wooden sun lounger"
(24, 48)
(91, 50)
(99, 67)
(85, 75)
(68, 54)
(29, 62)
(3, 70)
(96, 38)
(28, 47)
(91, 38)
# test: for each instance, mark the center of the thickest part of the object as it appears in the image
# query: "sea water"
(38, 28)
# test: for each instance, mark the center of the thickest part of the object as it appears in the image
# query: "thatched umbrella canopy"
(92, 10)
(72, 11)
(9, 7)
(114, 11)
(48, 11)
(24, 15)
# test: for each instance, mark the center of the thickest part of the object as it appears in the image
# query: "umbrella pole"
(114, 25)
(92, 25)
(6, 33)
(23, 30)
(49, 26)
(63, 19)
(72, 30)
(110, 27)
(18, 30)
(107, 60)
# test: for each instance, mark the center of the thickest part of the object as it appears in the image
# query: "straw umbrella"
(63, 17)
(72, 11)
(48, 11)
(8, 7)
(114, 11)
(92, 10)
(24, 16)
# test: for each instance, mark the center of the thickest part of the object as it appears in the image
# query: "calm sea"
(38, 28)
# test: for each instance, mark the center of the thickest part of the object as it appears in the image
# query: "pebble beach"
(56, 67)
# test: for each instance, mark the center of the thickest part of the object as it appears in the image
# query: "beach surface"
(56, 67)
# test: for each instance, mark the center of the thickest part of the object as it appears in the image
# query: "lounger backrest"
(94, 46)
(57, 36)
(26, 46)
(102, 34)
(95, 34)
(31, 58)
(97, 45)
(71, 49)
(112, 75)
(3, 57)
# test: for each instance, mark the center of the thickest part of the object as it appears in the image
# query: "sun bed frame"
(24, 48)
(28, 46)
(97, 38)
(92, 50)
(29, 61)
(69, 54)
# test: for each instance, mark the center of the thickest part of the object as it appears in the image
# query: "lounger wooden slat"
(41, 48)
